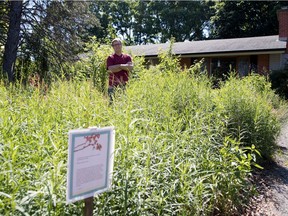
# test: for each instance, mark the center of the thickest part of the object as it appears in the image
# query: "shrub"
(246, 106)
(279, 81)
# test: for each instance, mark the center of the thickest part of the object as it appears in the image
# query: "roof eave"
(226, 53)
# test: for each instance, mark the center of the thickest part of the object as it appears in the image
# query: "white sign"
(90, 162)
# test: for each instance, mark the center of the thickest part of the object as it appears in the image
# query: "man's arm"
(128, 66)
(116, 68)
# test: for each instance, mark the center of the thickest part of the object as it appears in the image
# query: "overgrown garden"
(182, 148)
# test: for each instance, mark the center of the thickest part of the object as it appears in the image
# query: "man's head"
(117, 45)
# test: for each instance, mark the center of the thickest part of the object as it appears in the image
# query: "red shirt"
(120, 77)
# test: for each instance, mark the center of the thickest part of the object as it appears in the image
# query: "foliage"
(94, 65)
(4, 20)
(182, 20)
(246, 18)
(246, 113)
(59, 32)
(52, 33)
(279, 82)
(181, 147)
(169, 62)
(141, 22)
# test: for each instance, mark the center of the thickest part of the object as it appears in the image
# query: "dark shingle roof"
(249, 44)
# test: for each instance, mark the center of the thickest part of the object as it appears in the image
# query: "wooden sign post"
(90, 164)
(88, 207)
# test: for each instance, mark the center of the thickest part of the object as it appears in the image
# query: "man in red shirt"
(118, 65)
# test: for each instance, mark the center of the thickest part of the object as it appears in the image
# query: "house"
(258, 54)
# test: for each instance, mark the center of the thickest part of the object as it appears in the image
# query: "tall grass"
(33, 140)
(181, 147)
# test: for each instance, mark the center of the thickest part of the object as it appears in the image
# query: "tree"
(115, 18)
(48, 32)
(146, 24)
(104, 31)
(159, 21)
(59, 30)
(141, 22)
(244, 18)
(13, 38)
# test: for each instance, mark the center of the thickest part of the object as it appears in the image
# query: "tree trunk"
(13, 39)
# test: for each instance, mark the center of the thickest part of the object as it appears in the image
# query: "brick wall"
(282, 15)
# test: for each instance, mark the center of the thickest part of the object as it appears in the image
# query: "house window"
(243, 66)
(221, 67)
(253, 63)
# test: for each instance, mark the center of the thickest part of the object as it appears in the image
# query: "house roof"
(218, 46)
